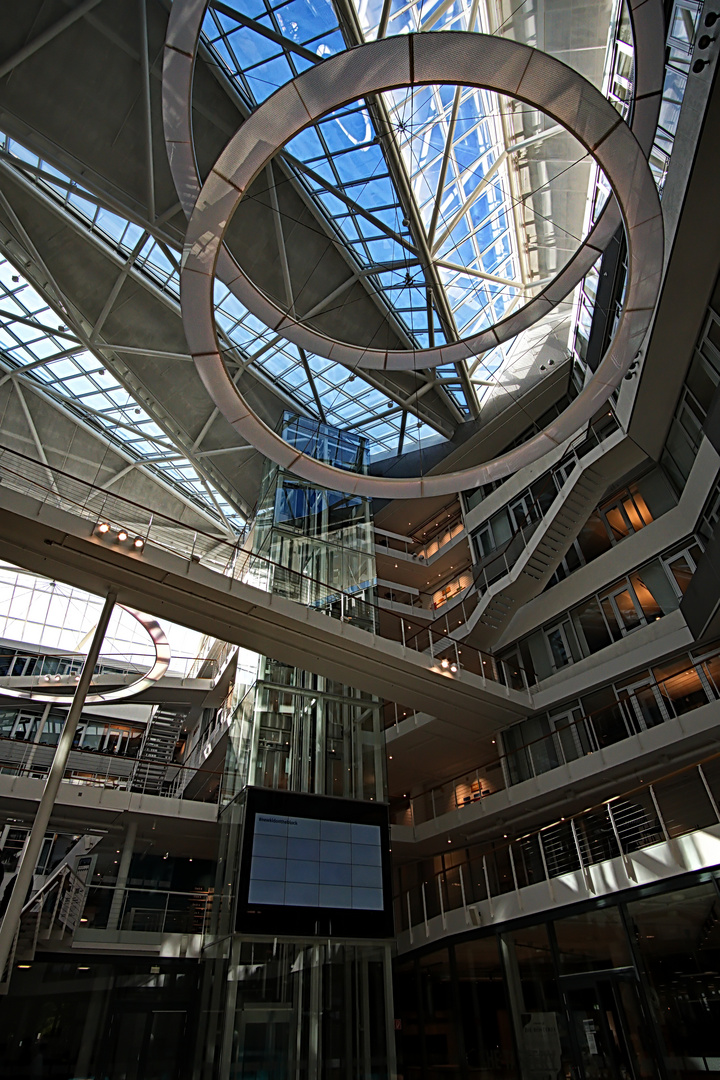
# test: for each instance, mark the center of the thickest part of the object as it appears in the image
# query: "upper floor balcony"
(575, 730)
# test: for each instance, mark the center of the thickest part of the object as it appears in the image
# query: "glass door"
(559, 647)
(622, 610)
(643, 704)
(264, 1044)
(610, 1029)
(521, 512)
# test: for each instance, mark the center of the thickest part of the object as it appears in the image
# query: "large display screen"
(314, 864)
(310, 862)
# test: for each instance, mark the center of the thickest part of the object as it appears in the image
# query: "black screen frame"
(290, 920)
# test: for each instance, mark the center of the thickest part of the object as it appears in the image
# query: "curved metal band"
(181, 44)
(158, 669)
(468, 59)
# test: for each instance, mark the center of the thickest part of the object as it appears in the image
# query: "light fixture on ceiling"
(138, 543)
(103, 527)
(122, 535)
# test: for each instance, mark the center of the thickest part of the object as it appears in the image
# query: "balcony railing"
(645, 704)
(55, 488)
(148, 911)
(97, 768)
(682, 802)
(27, 664)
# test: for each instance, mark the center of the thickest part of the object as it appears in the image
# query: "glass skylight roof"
(462, 151)
(33, 337)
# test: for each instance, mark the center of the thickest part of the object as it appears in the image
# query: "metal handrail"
(108, 664)
(200, 899)
(553, 739)
(32, 768)
(612, 828)
(337, 603)
(519, 539)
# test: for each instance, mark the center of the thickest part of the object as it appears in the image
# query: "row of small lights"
(121, 536)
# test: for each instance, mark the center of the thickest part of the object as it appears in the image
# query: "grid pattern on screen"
(310, 862)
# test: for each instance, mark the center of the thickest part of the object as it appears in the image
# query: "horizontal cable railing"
(98, 768)
(637, 708)
(53, 487)
(425, 548)
(20, 664)
(680, 803)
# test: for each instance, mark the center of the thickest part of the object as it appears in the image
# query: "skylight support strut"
(47, 36)
(349, 24)
(147, 111)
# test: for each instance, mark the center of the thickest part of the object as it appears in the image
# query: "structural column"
(30, 856)
(122, 877)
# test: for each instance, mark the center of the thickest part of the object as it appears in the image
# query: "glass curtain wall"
(619, 990)
(302, 1009)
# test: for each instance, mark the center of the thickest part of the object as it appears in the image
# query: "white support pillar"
(122, 877)
(30, 856)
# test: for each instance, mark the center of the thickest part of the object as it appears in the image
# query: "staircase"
(54, 911)
(534, 553)
(540, 556)
(156, 752)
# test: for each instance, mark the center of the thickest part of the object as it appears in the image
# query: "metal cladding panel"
(548, 85)
(353, 74)
(575, 103)
(453, 56)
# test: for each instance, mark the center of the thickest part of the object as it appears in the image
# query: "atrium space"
(359, 540)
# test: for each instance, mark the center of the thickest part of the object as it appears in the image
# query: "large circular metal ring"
(180, 51)
(158, 669)
(421, 59)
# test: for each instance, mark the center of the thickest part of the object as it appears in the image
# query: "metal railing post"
(585, 870)
(657, 811)
(514, 874)
(545, 867)
(710, 795)
(487, 886)
(615, 830)
(462, 893)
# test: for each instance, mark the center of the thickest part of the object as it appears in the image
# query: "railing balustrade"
(680, 803)
(55, 488)
(156, 911)
(637, 708)
(97, 768)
